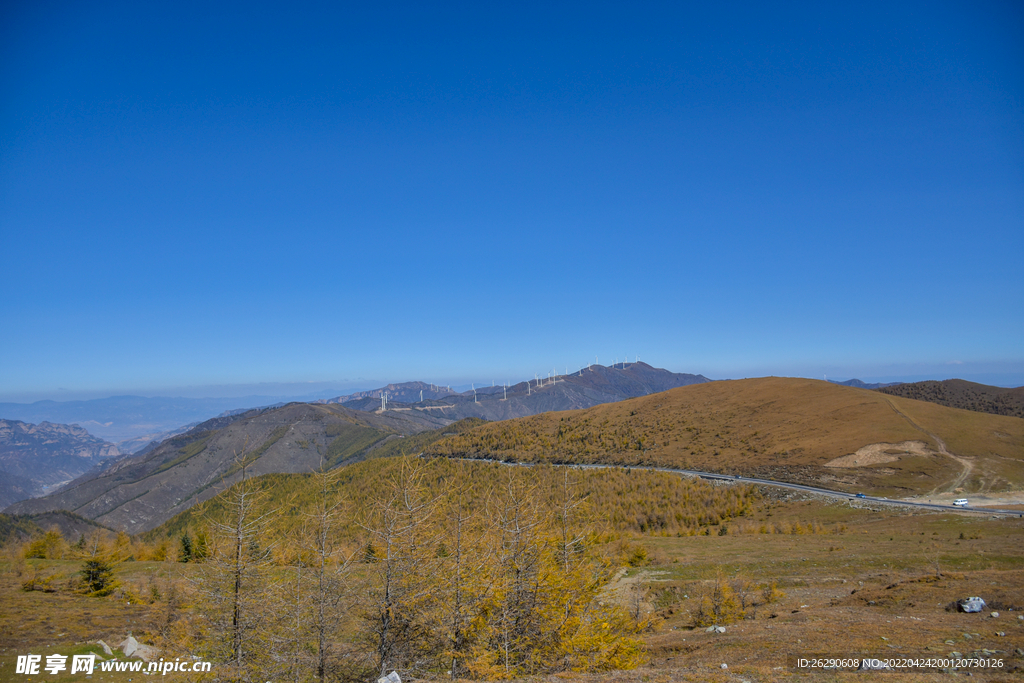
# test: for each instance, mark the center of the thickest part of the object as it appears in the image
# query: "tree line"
(442, 583)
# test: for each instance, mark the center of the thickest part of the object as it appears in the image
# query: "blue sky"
(226, 194)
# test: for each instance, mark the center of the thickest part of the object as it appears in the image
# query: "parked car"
(861, 495)
(960, 502)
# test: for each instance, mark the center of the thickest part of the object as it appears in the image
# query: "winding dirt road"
(965, 464)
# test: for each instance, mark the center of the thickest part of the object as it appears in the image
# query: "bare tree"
(464, 579)
(233, 580)
(518, 557)
(328, 569)
(401, 576)
(569, 510)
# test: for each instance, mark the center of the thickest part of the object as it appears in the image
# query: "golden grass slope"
(782, 428)
(618, 500)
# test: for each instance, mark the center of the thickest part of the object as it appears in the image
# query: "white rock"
(128, 646)
(725, 666)
(973, 604)
(106, 648)
(132, 648)
(994, 615)
(147, 653)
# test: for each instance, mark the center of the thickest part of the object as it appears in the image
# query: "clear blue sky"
(235, 193)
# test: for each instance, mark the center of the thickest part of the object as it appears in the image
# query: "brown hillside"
(959, 393)
(140, 492)
(780, 428)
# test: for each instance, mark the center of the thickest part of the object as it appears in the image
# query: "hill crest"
(777, 428)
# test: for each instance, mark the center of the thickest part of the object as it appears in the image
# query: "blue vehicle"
(861, 495)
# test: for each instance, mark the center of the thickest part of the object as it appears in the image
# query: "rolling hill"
(780, 428)
(139, 492)
(959, 393)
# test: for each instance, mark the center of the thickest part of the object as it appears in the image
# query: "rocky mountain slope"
(35, 458)
(132, 422)
(139, 492)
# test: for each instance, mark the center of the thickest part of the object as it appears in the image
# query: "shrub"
(98, 576)
(770, 593)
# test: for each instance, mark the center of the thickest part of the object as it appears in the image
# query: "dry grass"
(871, 587)
(776, 427)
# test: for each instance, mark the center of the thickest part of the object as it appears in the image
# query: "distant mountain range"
(864, 385)
(588, 387)
(37, 458)
(132, 422)
(140, 491)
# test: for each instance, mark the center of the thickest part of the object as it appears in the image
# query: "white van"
(960, 502)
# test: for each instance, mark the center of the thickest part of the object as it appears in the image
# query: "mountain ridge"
(137, 492)
(960, 393)
(37, 457)
(585, 388)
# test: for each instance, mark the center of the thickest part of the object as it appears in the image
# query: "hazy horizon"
(310, 391)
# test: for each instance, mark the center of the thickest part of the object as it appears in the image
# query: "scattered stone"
(1001, 634)
(132, 648)
(950, 642)
(724, 665)
(715, 629)
(147, 653)
(973, 604)
(994, 615)
(967, 636)
(1019, 652)
(956, 655)
(106, 648)
(390, 678)
(128, 646)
